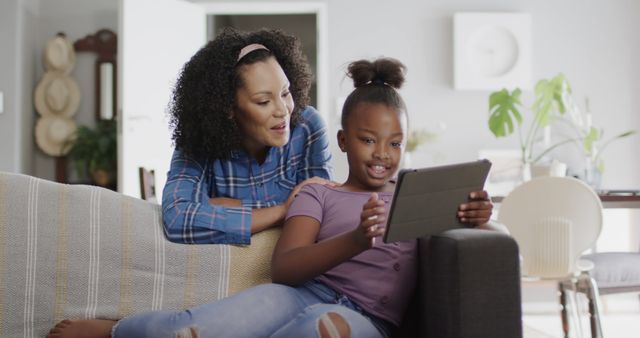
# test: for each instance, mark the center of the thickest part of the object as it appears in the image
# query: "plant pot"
(102, 178)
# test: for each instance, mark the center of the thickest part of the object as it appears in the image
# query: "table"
(609, 200)
(618, 201)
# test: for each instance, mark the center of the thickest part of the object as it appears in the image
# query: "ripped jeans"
(268, 310)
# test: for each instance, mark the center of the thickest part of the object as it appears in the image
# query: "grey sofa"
(86, 252)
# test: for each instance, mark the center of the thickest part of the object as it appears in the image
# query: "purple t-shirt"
(382, 279)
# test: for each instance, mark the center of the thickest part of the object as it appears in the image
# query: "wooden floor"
(620, 318)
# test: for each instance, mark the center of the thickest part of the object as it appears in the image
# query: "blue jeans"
(268, 310)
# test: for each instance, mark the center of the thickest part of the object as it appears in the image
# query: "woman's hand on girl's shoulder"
(372, 216)
(478, 210)
(316, 180)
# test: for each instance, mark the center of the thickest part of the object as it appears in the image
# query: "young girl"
(333, 277)
(329, 243)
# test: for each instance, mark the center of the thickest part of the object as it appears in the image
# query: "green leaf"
(550, 98)
(502, 106)
(562, 89)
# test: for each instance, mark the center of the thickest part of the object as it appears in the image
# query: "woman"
(245, 138)
(246, 142)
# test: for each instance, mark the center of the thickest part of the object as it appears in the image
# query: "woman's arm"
(297, 257)
(261, 219)
(187, 215)
(265, 218)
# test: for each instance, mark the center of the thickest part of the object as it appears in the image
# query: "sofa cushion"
(75, 251)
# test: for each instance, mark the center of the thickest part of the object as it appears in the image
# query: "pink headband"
(250, 48)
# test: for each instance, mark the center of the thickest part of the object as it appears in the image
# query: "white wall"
(25, 81)
(9, 118)
(17, 20)
(591, 41)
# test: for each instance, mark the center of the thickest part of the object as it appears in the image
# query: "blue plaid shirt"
(188, 216)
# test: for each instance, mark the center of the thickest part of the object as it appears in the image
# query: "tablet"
(426, 200)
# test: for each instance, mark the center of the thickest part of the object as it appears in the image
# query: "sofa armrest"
(469, 285)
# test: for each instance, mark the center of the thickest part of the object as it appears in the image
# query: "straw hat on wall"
(59, 54)
(54, 133)
(57, 94)
(57, 98)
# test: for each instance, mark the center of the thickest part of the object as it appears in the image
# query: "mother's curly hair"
(204, 95)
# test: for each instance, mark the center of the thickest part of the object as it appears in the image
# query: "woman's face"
(263, 107)
(373, 139)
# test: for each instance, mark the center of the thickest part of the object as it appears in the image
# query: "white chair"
(554, 220)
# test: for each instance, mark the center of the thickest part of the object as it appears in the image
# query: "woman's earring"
(232, 113)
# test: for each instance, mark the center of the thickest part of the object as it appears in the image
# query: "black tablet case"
(426, 200)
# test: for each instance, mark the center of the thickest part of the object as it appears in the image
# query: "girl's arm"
(297, 257)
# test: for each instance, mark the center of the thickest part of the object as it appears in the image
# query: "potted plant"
(94, 152)
(553, 102)
(590, 140)
(505, 116)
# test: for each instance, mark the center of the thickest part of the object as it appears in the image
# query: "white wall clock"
(492, 50)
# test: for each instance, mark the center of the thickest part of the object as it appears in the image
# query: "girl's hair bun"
(382, 71)
(375, 82)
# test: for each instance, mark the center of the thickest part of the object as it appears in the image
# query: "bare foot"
(85, 328)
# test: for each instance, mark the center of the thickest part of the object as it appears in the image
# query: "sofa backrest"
(76, 251)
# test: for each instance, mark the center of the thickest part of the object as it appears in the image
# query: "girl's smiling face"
(373, 139)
